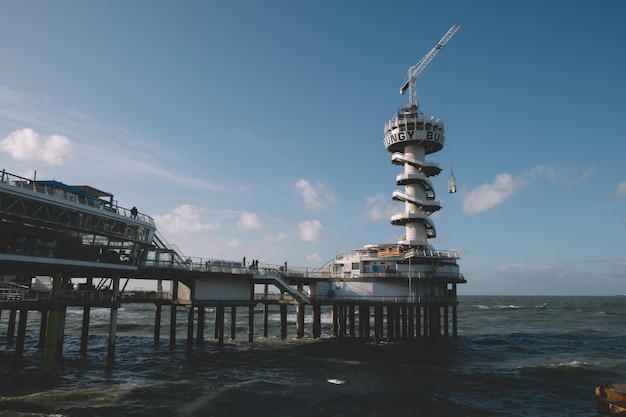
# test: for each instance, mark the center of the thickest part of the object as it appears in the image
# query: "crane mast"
(417, 69)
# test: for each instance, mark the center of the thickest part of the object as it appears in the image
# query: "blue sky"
(255, 128)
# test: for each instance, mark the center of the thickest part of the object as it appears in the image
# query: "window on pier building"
(355, 266)
(61, 243)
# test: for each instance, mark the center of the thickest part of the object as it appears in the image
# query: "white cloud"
(488, 196)
(315, 196)
(310, 230)
(380, 207)
(620, 191)
(233, 243)
(274, 240)
(249, 221)
(505, 186)
(135, 156)
(314, 257)
(184, 220)
(26, 144)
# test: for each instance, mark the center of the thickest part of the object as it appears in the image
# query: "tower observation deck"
(410, 136)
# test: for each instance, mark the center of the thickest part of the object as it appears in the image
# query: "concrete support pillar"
(378, 323)
(341, 312)
(411, 323)
(418, 321)
(174, 290)
(190, 318)
(445, 321)
(317, 322)
(436, 322)
(84, 335)
(21, 333)
(265, 309)
(283, 321)
(390, 323)
(219, 324)
(334, 319)
(397, 322)
(84, 331)
(405, 322)
(426, 321)
(113, 320)
(300, 321)
(157, 324)
(454, 322)
(233, 322)
(61, 332)
(11, 326)
(200, 329)
(362, 321)
(216, 327)
(53, 324)
(352, 324)
(251, 324)
(43, 323)
(265, 318)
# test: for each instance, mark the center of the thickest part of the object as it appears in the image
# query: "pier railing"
(238, 267)
(84, 295)
(444, 300)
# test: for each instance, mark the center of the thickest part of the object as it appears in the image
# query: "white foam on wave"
(336, 381)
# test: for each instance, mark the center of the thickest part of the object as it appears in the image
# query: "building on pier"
(77, 229)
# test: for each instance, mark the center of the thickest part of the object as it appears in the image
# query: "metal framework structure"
(417, 69)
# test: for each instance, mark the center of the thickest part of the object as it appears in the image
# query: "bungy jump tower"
(409, 277)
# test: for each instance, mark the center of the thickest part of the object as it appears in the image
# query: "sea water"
(515, 356)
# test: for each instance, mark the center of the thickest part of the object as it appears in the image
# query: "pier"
(91, 249)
